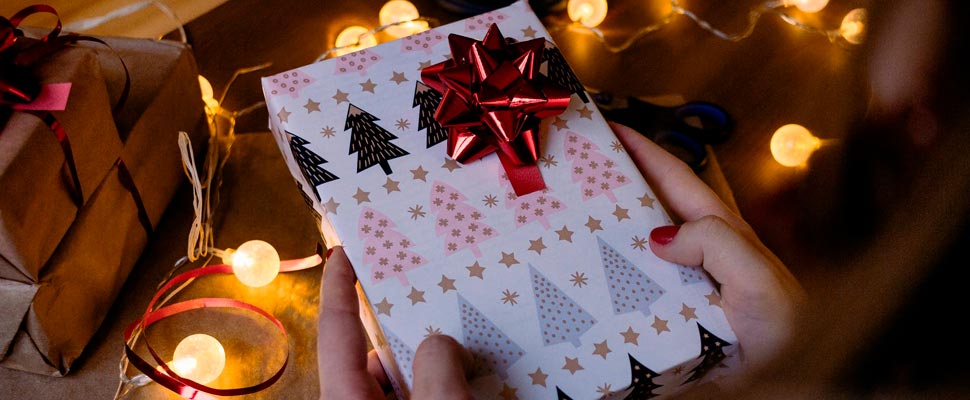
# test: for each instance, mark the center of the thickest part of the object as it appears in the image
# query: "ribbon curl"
(493, 100)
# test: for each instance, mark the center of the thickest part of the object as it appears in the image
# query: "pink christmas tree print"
(290, 82)
(403, 354)
(460, 224)
(422, 41)
(535, 206)
(691, 274)
(493, 352)
(385, 249)
(483, 21)
(561, 318)
(357, 61)
(630, 288)
(595, 171)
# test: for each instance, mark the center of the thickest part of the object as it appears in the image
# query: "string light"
(400, 17)
(353, 38)
(199, 357)
(589, 13)
(208, 96)
(808, 6)
(853, 28)
(255, 263)
(793, 144)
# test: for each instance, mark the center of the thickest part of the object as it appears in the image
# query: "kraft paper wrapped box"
(47, 317)
(556, 293)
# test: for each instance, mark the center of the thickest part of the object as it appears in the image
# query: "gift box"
(48, 317)
(554, 290)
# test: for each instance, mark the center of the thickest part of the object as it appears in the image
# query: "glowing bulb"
(208, 96)
(853, 28)
(351, 35)
(199, 357)
(255, 263)
(587, 12)
(398, 11)
(792, 145)
(809, 6)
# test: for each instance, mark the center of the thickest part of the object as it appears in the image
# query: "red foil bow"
(493, 100)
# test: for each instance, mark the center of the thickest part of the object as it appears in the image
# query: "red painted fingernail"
(327, 257)
(664, 234)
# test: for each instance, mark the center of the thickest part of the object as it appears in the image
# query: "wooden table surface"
(778, 75)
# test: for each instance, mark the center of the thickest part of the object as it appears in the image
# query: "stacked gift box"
(74, 219)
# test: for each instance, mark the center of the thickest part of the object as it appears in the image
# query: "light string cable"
(432, 22)
(91, 23)
(754, 15)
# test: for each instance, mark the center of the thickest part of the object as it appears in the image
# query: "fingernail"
(329, 251)
(664, 234)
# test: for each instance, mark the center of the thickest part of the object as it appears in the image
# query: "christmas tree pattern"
(422, 41)
(641, 381)
(483, 21)
(630, 288)
(309, 204)
(403, 355)
(357, 61)
(594, 170)
(560, 318)
(535, 206)
(691, 274)
(460, 224)
(371, 142)
(491, 349)
(429, 99)
(559, 72)
(385, 249)
(309, 163)
(290, 82)
(712, 353)
(560, 395)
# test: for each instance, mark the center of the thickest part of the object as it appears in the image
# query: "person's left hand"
(347, 371)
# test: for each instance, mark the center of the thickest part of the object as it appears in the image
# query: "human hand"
(347, 371)
(759, 295)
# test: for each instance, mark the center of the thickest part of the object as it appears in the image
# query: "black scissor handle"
(715, 123)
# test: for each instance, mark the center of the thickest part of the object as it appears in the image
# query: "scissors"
(683, 130)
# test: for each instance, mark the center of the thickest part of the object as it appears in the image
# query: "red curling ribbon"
(493, 98)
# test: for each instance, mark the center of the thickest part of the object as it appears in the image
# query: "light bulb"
(351, 35)
(208, 96)
(199, 357)
(853, 28)
(255, 263)
(398, 11)
(809, 6)
(587, 12)
(792, 145)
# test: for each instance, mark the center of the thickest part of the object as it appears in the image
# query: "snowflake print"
(431, 331)
(328, 132)
(416, 212)
(616, 146)
(579, 279)
(403, 124)
(639, 243)
(548, 161)
(510, 298)
(490, 200)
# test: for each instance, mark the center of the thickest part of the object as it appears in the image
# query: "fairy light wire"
(432, 22)
(91, 23)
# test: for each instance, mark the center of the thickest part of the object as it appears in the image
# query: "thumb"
(440, 365)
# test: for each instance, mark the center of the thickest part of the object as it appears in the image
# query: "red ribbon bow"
(493, 100)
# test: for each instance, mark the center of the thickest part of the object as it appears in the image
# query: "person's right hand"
(758, 293)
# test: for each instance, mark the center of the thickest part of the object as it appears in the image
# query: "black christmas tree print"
(630, 288)
(491, 349)
(641, 381)
(429, 99)
(371, 142)
(309, 163)
(558, 71)
(560, 318)
(309, 204)
(560, 395)
(712, 353)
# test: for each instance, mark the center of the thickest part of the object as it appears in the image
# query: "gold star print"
(621, 213)
(361, 196)
(601, 349)
(367, 86)
(539, 378)
(451, 165)
(713, 299)
(572, 365)
(687, 312)
(424, 64)
(283, 115)
(416, 296)
(311, 106)
(384, 307)
(593, 224)
(476, 270)
(560, 124)
(508, 392)
(447, 284)
(585, 112)
(419, 173)
(659, 324)
(646, 200)
(530, 33)
(341, 97)
(565, 234)
(508, 259)
(398, 77)
(537, 245)
(331, 206)
(630, 336)
(391, 185)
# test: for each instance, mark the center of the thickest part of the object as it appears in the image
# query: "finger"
(376, 369)
(440, 366)
(341, 346)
